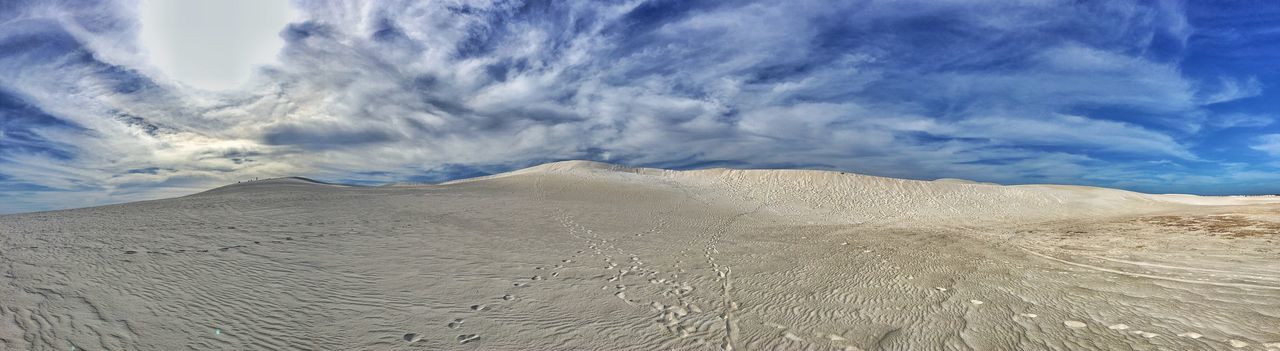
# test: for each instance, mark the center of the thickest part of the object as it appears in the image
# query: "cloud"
(1231, 90)
(1048, 91)
(1241, 120)
(211, 44)
(1067, 130)
(1269, 144)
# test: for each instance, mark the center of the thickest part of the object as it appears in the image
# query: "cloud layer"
(1107, 93)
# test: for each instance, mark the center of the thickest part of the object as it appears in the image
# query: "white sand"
(581, 255)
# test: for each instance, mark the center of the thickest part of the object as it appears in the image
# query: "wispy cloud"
(1269, 144)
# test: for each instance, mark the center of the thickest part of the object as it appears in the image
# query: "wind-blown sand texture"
(587, 256)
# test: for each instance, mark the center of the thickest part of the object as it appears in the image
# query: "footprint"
(1192, 335)
(537, 277)
(456, 323)
(1074, 324)
(976, 302)
(1029, 315)
(130, 252)
(657, 306)
(508, 297)
(479, 307)
(412, 337)
(466, 338)
(1121, 326)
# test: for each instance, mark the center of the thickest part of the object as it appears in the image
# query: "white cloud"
(212, 44)
(1241, 120)
(1269, 143)
(1232, 89)
(1069, 130)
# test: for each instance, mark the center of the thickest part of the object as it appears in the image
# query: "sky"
(115, 101)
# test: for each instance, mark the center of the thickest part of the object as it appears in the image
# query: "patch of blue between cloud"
(389, 32)
(366, 178)
(450, 172)
(147, 170)
(320, 137)
(19, 122)
(40, 42)
(33, 40)
(138, 122)
(26, 187)
(301, 31)
(498, 23)
(651, 15)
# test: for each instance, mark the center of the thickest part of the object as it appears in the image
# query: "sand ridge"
(583, 255)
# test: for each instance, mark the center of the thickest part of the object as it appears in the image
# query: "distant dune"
(582, 255)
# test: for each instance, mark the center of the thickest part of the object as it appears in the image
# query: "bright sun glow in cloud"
(212, 44)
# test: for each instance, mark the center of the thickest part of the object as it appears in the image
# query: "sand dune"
(590, 256)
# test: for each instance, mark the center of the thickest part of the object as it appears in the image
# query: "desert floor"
(586, 256)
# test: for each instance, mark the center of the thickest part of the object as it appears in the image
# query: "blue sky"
(104, 102)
